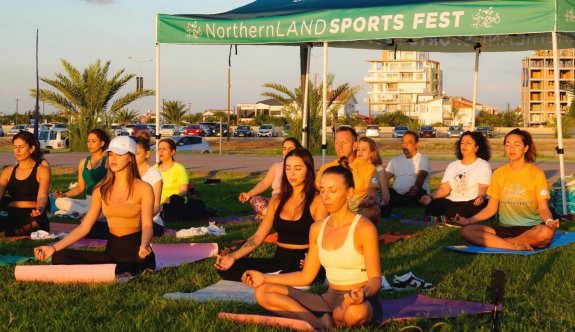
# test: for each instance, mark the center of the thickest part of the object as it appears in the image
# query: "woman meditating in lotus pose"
(28, 183)
(127, 202)
(272, 179)
(519, 191)
(291, 214)
(346, 245)
(91, 170)
(465, 181)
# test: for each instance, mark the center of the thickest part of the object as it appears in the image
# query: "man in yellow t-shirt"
(364, 174)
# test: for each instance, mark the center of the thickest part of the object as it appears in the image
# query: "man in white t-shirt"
(410, 172)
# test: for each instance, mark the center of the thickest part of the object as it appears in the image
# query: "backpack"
(556, 201)
(179, 210)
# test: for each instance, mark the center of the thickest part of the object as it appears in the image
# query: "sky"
(123, 32)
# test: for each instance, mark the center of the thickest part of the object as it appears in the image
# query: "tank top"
(24, 190)
(344, 265)
(294, 231)
(93, 176)
(126, 217)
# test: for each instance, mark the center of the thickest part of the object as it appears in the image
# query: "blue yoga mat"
(559, 239)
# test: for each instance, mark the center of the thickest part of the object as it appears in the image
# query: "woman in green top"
(91, 170)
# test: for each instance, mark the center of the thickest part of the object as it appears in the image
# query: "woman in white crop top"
(354, 277)
(272, 179)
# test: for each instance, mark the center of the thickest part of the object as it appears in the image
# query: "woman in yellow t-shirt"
(519, 191)
(174, 174)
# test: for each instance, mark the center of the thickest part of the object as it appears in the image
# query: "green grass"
(538, 297)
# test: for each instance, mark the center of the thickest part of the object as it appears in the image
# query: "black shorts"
(327, 302)
(510, 231)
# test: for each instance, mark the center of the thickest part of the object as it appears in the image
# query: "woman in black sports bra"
(290, 214)
(27, 183)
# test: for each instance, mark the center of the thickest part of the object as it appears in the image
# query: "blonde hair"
(375, 157)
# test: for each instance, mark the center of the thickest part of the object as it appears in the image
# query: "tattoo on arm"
(251, 242)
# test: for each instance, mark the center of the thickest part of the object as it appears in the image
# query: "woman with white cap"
(127, 202)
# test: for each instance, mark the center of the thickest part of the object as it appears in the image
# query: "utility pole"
(17, 100)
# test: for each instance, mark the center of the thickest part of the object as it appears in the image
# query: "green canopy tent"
(434, 26)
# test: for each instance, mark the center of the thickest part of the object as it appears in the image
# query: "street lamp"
(139, 78)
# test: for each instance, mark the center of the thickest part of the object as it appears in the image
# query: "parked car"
(210, 125)
(129, 128)
(454, 131)
(399, 131)
(225, 129)
(139, 127)
(190, 144)
(151, 129)
(372, 131)
(118, 130)
(244, 131)
(427, 131)
(41, 127)
(56, 138)
(194, 130)
(485, 130)
(287, 130)
(2, 131)
(169, 130)
(16, 129)
(209, 131)
(268, 130)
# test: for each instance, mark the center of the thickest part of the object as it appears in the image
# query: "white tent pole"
(324, 106)
(477, 48)
(157, 100)
(560, 150)
(304, 126)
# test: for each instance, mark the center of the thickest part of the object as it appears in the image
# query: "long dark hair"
(143, 140)
(294, 140)
(32, 141)
(483, 149)
(531, 153)
(107, 183)
(309, 189)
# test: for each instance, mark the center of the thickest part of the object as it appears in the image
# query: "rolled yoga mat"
(174, 254)
(94, 273)
(272, 321)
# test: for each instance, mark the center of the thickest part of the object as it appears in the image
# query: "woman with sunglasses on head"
(27, 183)
(519, 192)
(127, 203)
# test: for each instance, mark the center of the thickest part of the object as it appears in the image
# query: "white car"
(119, 130)
(268, 130)
(16, 129)
(169, 130)
(372, 131)
(57, 138)
(194, 144)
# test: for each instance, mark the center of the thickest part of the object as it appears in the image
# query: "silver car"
(169, 130)
(119, 130)
(194, 144)
(16, 129)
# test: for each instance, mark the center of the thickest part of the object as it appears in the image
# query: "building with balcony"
(401, 80)
(538, 86)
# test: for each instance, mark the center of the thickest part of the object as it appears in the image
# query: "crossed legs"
(536, 237)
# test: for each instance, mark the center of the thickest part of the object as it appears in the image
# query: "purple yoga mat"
(174, 254)
(421, 306)
(93, 243)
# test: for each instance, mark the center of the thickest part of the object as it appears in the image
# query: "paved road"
(256, 164)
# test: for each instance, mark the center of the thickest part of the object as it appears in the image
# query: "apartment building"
(401, 80)
(538, 85)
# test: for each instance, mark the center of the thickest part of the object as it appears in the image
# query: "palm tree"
(86, 97)
(292, 106)
(124, 116)
(174, 112)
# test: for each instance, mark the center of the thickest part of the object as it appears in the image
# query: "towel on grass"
(559, 239)
(223, 290)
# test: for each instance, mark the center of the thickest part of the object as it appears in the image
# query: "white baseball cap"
(122, 145)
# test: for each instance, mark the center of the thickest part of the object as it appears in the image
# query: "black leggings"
(100, 230)
(448, 208)
(284, 260)
(20, 223)
(121, 250)
(398, 200)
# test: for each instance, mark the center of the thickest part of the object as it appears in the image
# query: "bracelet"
(547, 221)
(51, 246)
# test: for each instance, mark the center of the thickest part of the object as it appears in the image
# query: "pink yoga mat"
(174, 254)
(66, 273)
(292, 324)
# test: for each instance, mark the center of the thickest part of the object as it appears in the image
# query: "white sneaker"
(409, 281)
(385, 286)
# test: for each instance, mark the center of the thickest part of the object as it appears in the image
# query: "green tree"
(393, 119)
(124, 116)
(293, 110)
(193, 118)
(174, 112)
(86, 97)
(510, 118)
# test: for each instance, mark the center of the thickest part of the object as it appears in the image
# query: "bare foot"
(325, 323)
(519, 245)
